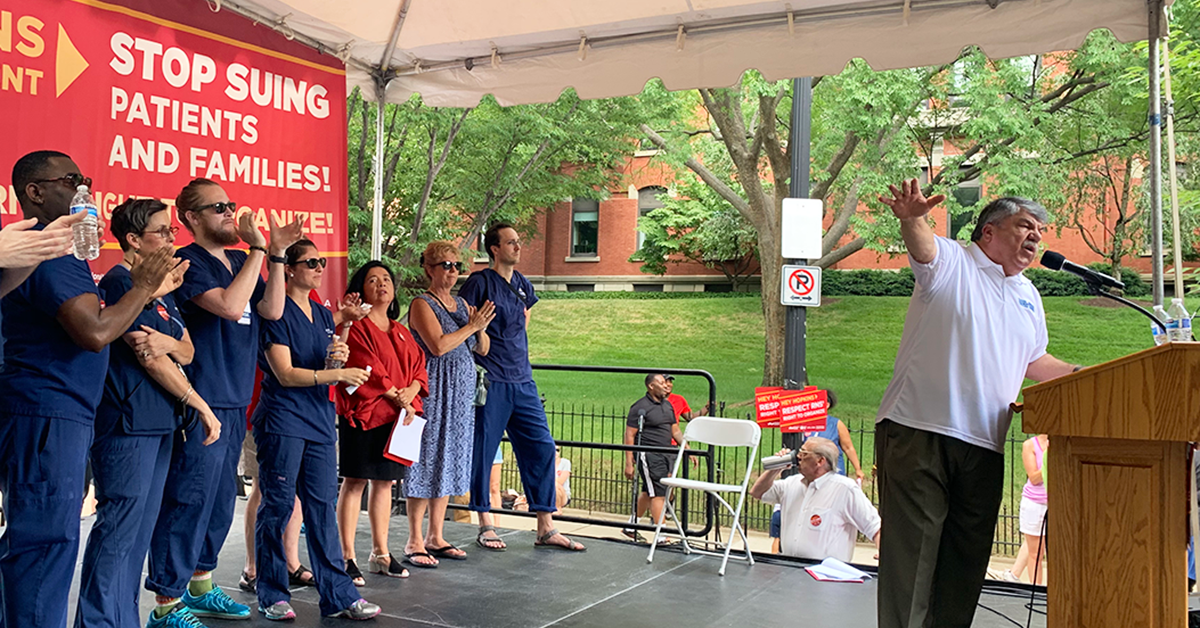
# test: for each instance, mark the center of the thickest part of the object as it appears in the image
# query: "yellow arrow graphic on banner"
(68, 63)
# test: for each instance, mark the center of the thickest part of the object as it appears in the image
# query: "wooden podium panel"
(1117, 533)
(1117, 487)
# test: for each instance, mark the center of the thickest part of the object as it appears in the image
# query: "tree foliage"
(1065, 129)
(448, 173)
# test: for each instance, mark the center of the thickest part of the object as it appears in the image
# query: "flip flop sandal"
(482, 541)
(297, 579)
(447, 551)
(248, 583)
(410, 559)
(543, 542)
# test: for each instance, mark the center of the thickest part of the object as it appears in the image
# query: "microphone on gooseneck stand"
(1055, 261)
(1096, 282)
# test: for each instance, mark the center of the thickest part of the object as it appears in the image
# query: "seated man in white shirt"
(823, 511)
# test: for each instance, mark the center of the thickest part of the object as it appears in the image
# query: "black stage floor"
(609, 585)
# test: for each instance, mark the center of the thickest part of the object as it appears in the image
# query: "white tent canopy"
(453, 52)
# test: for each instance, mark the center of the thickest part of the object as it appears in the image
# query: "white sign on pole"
(801, 286)
(800, 231)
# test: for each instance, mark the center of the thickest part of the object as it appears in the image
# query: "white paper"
(834, 570)
(405, 441)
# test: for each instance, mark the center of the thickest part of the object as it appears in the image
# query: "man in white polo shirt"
(822, 510)
(975, 329)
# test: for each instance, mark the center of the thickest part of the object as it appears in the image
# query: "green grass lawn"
(852, 344)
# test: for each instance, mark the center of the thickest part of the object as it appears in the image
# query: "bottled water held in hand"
(332, 362)
(87, 240)
(1181, 322)
(1160, 336)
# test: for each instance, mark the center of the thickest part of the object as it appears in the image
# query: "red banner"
(803, 411)
(147, 95)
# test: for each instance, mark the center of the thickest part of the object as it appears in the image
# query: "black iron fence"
(599, 486)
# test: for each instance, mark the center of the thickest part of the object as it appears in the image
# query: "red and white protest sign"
(803, 411)
(766, 405)
(146, 95)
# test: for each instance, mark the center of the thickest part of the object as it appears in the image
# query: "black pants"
(939, 498)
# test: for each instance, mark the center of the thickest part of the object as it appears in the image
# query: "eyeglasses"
(311, 262)
(227, 207)
(164, 232)
(72, 180)
(448, 265)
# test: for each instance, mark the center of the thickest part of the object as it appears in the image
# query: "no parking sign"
(801, 286)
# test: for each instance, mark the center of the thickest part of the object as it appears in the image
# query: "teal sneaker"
(216, 604)
(180, 617)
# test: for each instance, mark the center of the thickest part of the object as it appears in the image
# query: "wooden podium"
(1118, 487)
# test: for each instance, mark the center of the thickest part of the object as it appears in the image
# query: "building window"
(585, 227)
(968, 194)
(581, 287)
(648, 201)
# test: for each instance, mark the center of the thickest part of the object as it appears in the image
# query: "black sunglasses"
(447, 265)
(218, 208)
(311, 262)
(72, 180)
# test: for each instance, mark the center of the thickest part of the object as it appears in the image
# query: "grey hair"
(825, 448)
(1002, 208)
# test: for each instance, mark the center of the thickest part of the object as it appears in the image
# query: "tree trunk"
(774, 316)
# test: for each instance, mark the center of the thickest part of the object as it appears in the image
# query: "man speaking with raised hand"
(975, 330)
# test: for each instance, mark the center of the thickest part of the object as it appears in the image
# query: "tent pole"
(1155, 118)
(1176, 227)
(377, 172)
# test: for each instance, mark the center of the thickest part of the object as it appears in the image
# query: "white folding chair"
(720, 433)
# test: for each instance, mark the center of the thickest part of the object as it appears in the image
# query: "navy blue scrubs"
(295, 435)
(49, 389)
(201, 489)
(130, 457)
(513, 403)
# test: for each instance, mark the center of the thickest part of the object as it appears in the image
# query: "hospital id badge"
(245, 319)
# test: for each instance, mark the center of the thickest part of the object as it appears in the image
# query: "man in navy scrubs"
(512, 402)
(56, 356)
(218, 292)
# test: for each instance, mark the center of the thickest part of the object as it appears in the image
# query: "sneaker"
(359, 611)
(1009, 576)
(279, 611)
(216, 604)
(180, 617)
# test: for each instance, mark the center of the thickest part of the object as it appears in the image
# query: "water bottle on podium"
(1181, 321)
(87, 240)
(1160, 336)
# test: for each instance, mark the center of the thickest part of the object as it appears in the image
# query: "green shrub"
(557, 294)
(875, 283)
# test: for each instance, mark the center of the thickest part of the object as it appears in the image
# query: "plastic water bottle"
(87, 241)
(332, 362)
(1160, 336)
(1181, 322)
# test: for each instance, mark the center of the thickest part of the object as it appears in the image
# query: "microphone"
(1055, 261)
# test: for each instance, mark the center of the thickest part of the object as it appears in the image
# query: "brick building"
(585, 245)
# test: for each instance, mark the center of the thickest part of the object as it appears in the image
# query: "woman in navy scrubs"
(295, 434)
(135, 424)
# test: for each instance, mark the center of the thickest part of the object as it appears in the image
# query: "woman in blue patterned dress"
(448, 330)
